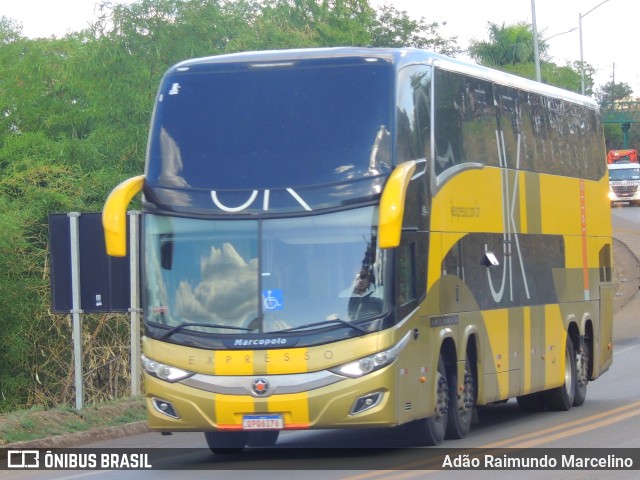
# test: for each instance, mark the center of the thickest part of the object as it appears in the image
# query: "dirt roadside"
(57, 428)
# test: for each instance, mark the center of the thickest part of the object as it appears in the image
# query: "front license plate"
(262, 422)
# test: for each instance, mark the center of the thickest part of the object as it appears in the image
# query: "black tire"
(226, 442)
(583, 367)
(264, 438)
(431, 431)
(561, 398)
(461, 404)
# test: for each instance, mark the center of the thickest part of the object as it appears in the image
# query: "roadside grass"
(38, 423)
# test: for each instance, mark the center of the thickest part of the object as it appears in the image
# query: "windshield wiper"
(207, 325)
(335, 321)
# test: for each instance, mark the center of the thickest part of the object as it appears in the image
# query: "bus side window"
(464, 121)
(411, 272)
(406, 269)
(414, 84)
(423, 117)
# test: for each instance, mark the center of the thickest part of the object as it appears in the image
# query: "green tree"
(611, 92)
(305, 23)
(507, 45)
(10, 30)
(607, 95)
(395, 28)
(510, 48)
(74, 120)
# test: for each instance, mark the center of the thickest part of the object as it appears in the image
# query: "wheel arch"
(472, 351)
(449, 352)
(582, 333)
(588, 338)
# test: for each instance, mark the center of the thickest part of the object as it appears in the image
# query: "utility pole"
(580, 17)
(536, 48)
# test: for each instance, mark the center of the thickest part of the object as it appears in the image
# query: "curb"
(75, 439)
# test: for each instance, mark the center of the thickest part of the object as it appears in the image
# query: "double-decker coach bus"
(358, 237)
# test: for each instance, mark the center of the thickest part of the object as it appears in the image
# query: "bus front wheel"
(431, 430)
(266, 438)
(226, 442)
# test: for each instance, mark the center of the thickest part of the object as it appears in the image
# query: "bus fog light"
(366, 402)
(164, 407)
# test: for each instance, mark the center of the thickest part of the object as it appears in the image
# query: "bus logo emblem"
(260, 387)
(266, 194)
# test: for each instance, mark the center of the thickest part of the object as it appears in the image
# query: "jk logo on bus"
(252, 198)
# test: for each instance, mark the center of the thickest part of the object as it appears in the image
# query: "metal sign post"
(85, 280)
(76, 312)
(135, 303)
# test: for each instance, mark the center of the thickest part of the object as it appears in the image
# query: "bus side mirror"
(114, 215)
(391, 210)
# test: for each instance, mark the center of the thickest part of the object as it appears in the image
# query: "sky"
(610, 31)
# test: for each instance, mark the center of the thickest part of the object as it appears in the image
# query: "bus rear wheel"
(561, 398)
(226, 442)
(431, 431)
(461, 405)
(583, 364)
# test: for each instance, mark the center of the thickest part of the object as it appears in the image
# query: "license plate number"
(262, 422)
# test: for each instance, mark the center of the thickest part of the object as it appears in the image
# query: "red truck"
(622, 156)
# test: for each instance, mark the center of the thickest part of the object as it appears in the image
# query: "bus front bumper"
(365, 401)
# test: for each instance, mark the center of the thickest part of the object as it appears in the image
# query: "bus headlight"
(612, 196)
(371, 363)
(164, 372)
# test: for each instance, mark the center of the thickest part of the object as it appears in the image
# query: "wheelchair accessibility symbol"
(272, 300)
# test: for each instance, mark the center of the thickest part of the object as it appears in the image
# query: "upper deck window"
(224, 126)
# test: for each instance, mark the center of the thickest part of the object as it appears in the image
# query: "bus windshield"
(261, 276)
(226, 127)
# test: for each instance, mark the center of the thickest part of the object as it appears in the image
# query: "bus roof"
(399, 57)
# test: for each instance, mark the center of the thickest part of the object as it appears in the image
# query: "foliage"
(510, 48)
(394, 28)
(615, 138)
(611, 92)
(606, 95)
(507, 45)
(74, 115)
